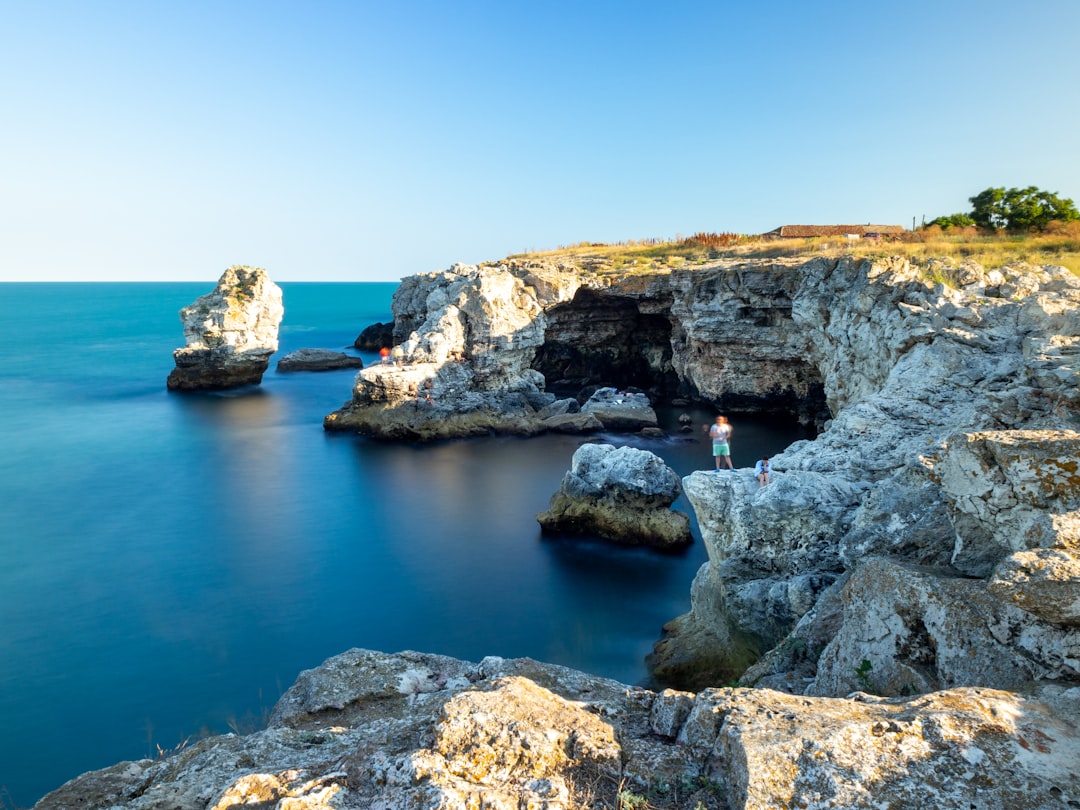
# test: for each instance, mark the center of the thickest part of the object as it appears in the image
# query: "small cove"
(171, 562)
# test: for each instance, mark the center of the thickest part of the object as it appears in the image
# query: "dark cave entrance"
(604, 340)
(599, 339)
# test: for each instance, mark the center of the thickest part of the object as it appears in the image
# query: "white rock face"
(230, 332)
(464, 368)
(371, 730)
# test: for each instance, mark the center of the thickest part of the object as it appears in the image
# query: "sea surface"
(170, 562)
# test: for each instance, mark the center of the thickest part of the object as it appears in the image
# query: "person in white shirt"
(721, 435)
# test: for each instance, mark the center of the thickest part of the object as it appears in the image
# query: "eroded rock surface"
(230, 333)
(371, 730)
(621, 494)
(467, 337)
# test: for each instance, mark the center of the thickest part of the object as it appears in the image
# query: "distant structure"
(855, 231)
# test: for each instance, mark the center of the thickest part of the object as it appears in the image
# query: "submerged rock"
(230, 332)
(384, 732)
(621, 494)
(318, 360)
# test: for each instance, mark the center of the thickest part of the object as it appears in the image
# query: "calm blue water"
(170, 562)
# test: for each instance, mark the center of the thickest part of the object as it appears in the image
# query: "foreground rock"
(318, 360)
(371, 730)
(621, 494)
(230, 333)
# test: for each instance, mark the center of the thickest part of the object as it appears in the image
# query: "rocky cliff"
(928, 537)
(947, 398)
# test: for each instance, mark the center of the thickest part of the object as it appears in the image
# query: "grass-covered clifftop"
(1059, 246)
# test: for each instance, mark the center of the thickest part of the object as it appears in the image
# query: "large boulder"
(379, 731)
(621, 494)
(230, 332)
(375, 337)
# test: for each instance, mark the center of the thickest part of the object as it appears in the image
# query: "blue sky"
(160, 140)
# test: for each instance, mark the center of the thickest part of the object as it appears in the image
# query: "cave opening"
(598, 340)
(603, 340)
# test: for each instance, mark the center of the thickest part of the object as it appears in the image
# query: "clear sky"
(168, 139)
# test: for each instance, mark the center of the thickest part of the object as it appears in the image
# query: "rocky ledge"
(230, 333)
(385, 732)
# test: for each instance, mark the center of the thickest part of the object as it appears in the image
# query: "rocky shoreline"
(386, 732)
(902, 597)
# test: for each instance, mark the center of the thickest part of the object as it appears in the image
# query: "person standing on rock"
(720, 433)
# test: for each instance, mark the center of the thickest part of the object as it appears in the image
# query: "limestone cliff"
(928, 537)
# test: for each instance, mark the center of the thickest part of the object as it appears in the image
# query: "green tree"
(952, 221)
(1020, 209)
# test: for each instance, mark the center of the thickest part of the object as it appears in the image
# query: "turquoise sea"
(170, 562)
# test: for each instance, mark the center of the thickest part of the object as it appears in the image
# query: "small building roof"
(792, 231)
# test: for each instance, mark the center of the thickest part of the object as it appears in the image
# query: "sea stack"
(230, 333)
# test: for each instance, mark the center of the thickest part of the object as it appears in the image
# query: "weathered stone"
(473, 335)
(230, 333)
(907, 630)
(386, 732)
(318, 360)
(1044, 582)
(621, 494)
(1009, 491)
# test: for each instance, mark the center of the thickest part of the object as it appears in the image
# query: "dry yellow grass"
(1060, 245)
